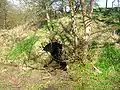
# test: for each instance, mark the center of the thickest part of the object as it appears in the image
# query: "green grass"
(24, 46)
(85, 78)
(110, 57)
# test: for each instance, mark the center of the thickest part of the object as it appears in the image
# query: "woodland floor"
(15, 78)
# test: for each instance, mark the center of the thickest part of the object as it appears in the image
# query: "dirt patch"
(14, 78)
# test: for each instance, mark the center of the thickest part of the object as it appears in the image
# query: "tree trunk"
(45, 7)
(118, 5)
(74, 27)
(5, 14)
(112, 5)
(106, 4)
(87, 32)
(87, 24)
(5, 18)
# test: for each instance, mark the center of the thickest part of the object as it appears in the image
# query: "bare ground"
(17, 78)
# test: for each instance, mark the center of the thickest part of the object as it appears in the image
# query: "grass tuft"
(24, 46)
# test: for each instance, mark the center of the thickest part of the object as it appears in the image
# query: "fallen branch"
(97, 70)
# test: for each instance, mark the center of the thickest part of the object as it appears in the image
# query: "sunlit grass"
(86, 78)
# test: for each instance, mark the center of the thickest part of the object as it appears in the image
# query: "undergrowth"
(86, 78)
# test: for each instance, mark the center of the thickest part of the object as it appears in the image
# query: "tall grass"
(110, 57)
(25, 46)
